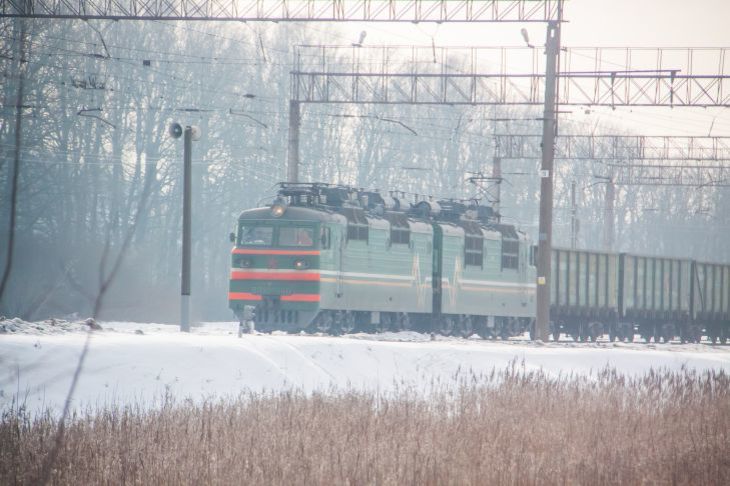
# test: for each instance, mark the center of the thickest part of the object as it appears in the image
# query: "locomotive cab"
(275, 265)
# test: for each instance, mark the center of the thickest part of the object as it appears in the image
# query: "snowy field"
(142, 363)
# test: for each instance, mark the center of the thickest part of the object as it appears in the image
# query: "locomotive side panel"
(452, 264)
(374, 274)
(330, 261)
(480, 285)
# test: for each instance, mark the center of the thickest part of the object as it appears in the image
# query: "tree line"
(97, 166)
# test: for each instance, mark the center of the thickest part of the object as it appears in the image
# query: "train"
(337, 259)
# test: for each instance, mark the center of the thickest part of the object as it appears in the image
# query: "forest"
(86, 107)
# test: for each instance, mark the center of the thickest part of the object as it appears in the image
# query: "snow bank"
(50, 326)
(132, 362)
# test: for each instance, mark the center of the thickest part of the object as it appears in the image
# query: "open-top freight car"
(655, 297)
(583, 295)
(337, 259)
(710, 304)
(659, 298)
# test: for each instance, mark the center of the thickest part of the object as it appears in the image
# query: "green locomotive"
(336, 259)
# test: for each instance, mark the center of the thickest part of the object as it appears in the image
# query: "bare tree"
(16, 162)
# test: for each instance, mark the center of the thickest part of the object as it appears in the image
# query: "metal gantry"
(290, 10)
(649, 172)
(616, 147)
(654, 173)
(487, 76)
(631, 160)
(646, 76)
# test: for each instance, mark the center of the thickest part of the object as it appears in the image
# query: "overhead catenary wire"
(379, 115)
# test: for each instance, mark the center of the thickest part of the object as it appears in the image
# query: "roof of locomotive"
(292, 213)
(318, 214)
(452, 229)
(300, 213)
(318, 202)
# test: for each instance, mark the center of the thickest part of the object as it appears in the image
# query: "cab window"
(256, 235)
(510, 253)
(290, 236)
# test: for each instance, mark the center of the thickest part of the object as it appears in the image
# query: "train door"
(332, 251)
(436, 281)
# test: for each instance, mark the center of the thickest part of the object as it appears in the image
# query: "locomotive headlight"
(278, 208)
(301, 265)
(244, 263)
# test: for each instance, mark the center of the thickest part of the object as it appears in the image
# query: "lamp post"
(189, 134)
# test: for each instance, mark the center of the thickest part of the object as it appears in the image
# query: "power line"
(136, 81)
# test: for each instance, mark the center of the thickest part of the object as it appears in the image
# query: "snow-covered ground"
(141, 363)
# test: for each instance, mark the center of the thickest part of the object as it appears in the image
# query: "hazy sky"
(648, 23)
(671, 23)
(616, 23)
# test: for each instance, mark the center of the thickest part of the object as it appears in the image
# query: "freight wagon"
(655, 296)
(658, 298)
(583, 295)
(710, 302)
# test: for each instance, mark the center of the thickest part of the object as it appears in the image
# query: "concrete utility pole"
(497, 176)
(552, 50)
(573, 218)
(187, 219)
(189, 134)
(292, 169)
(609, 216)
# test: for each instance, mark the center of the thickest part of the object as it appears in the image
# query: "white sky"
(605, 23)
(671, 23)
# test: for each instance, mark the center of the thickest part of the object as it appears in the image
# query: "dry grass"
(514, 427)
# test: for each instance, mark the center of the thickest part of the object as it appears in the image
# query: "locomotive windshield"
(296, 236)
(256, 235)
(265, 235)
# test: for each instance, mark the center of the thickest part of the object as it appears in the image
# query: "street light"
(189, 134)
(526, 37)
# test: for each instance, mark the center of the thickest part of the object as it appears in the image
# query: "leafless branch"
(104, 283)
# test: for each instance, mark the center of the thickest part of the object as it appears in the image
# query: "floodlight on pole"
(175, 130)
(526, 37)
